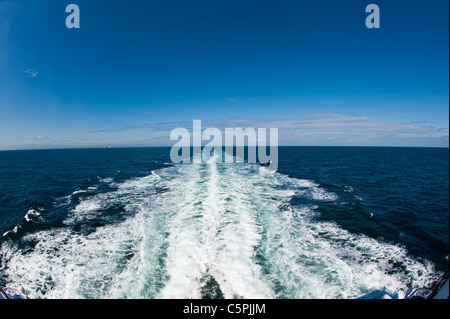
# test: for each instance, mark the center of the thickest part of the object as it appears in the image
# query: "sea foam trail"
(210, 229)
(212, 235)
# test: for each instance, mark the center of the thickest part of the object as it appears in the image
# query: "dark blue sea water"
(333, 222)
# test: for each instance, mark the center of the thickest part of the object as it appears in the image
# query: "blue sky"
(137, 69)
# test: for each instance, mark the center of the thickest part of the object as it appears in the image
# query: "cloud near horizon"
(307, 129)
(328, 129)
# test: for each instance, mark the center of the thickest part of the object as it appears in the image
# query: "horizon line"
(131, 147)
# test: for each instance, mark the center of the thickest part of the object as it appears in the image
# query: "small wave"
(154, 174)
(349, 189)
(87, 206)
(31, 216)
(13, 231)
(79, 191)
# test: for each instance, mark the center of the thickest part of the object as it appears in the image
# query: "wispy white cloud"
(41, 138)
(309, 129)
(231, 100)
(318, 129)
(31, 73)
(347, 129)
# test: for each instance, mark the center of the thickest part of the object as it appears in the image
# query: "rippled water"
(126, 223)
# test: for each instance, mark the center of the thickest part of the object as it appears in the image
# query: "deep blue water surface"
(333, 222)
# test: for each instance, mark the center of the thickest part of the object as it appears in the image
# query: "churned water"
(332, 222)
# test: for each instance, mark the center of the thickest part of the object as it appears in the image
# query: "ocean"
(126, 223)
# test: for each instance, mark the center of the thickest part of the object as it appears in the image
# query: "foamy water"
(208, 229)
